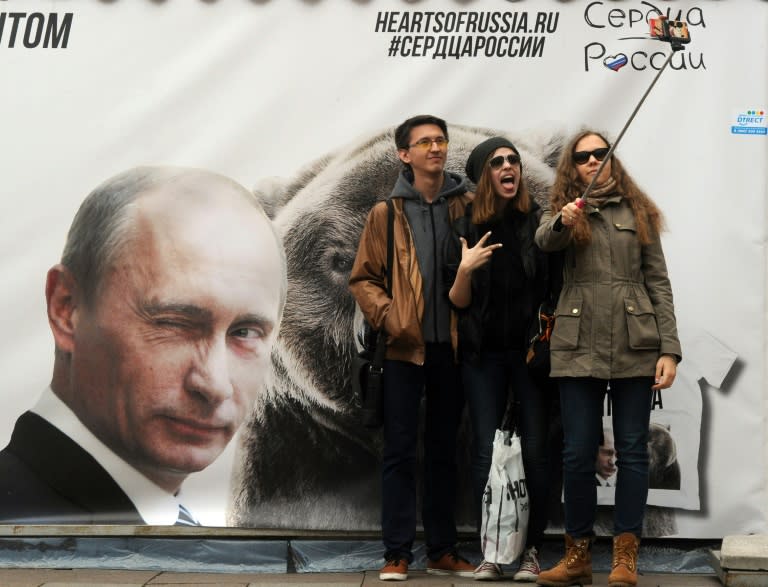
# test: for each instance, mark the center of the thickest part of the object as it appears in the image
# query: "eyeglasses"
(581, 157)
(498, 160)
(425, 144)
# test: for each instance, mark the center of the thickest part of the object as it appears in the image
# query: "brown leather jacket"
(400, 316)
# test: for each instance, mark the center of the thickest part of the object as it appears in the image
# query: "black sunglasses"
(581, 157)
(498, 160)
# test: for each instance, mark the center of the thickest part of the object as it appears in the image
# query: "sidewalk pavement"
(89, 578)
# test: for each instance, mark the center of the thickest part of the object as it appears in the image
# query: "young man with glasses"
(420, 347)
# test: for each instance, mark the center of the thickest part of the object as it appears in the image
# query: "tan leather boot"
(624, 567)
(575, 568)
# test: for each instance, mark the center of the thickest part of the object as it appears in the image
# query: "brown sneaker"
(451, 564)
(394, 570)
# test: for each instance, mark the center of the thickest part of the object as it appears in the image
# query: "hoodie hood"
(453, 185)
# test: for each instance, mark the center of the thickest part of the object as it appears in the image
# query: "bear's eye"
(341, 263)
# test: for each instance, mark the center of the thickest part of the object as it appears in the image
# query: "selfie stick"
(580, 202)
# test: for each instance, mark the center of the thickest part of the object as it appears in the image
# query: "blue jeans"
(403, 385)
(487, 382)
(582, 401)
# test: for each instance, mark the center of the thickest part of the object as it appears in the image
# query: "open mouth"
(508, 181)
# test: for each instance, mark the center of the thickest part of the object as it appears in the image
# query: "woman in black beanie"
(499, 279)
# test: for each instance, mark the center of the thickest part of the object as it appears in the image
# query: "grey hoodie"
(430, 225)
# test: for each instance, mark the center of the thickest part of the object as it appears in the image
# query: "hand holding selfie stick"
(676, 45)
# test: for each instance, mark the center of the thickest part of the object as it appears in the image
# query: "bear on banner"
(305, 460)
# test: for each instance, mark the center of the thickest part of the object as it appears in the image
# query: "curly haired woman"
(615, 330)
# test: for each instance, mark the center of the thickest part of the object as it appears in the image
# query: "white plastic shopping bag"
(505, 502)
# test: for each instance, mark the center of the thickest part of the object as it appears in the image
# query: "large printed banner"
(297, 101)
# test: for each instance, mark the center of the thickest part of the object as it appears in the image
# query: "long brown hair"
(485, 203)
(568, 186)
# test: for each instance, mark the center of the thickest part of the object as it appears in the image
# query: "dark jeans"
(403, 384)
(582, 401)
(486, 386)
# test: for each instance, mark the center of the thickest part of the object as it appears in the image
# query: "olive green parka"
(615, 316)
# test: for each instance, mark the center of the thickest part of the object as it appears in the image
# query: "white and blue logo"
(750, 122)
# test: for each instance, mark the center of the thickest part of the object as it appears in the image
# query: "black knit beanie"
(480, 154)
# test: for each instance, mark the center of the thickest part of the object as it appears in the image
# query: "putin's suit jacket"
(47, 478)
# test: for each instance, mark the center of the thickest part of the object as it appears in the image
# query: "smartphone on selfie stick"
(674, 32)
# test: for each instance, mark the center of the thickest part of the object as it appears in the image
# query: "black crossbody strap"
(390, 244)
(381, 342)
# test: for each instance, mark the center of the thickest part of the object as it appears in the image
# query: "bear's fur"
(305, 460)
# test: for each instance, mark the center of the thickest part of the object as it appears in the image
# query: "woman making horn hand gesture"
(498, 278)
